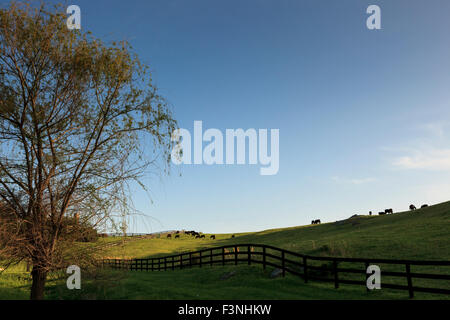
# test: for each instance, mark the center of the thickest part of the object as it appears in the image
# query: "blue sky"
(364, 115)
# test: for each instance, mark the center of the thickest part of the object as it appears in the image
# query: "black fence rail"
(328, 269)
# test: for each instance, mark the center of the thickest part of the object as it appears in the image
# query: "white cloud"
(431, 159)
(354, 181)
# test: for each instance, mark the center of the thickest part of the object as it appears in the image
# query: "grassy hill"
(422, 234)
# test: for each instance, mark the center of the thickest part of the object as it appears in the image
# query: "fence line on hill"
(304, 266)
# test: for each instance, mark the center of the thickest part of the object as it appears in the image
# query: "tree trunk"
(37, 288)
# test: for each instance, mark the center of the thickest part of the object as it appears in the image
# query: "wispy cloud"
(435, 129)
(429, 152)
(430, 159)
(353, 181)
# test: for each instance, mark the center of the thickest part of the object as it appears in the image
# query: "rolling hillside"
(422, 235)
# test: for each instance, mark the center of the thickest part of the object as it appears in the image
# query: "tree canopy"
(79, 118)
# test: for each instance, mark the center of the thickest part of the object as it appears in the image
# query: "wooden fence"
(329, 269)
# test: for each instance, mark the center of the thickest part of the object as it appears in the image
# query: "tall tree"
(78, 119)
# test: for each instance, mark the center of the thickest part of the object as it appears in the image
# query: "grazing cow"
(381, 213)
(169, 236)
(370, 213)
(424, 206)
(232, 236)
(213, 237)
(202, 236)
(412, 207)
(389, 211)
(315, 221)
(177, 232)
(177, 236)
(197, 237)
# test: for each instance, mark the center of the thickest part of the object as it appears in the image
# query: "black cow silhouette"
(169, 236)
(316, 221)
(213, 237)
(232, 236)
(177, 236)
(424, 206)
(389, 211)
(381, 213)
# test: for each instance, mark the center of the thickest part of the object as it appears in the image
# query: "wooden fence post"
(367, 276)
(190, 259)
(305, 269)
(223, 256)
(408, 276)
(336, 278)
(264, 258)
(173, 262)
(283, 263)
(181, 261)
